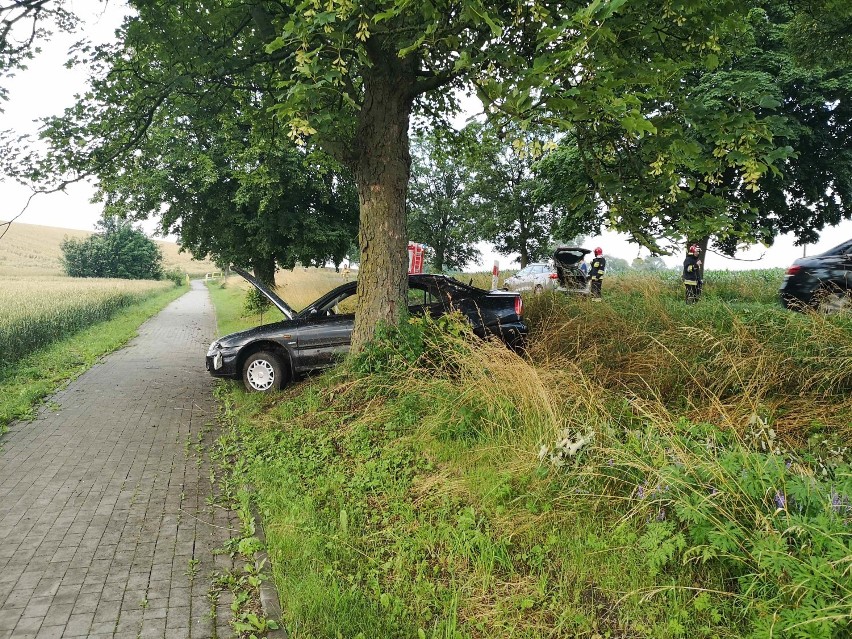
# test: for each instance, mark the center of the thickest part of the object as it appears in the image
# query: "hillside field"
(31, 249)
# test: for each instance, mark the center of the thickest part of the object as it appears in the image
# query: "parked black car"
(821, 282)
(269, 356)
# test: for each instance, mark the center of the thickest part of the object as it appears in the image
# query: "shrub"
(777, 523)
(177, 276)
(117, 250)
(255, 302)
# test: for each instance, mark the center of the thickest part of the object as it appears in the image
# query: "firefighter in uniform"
(692, 274)
(596, 274)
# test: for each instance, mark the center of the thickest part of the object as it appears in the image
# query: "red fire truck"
(415, 258)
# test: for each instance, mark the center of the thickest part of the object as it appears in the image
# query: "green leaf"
(768, 102)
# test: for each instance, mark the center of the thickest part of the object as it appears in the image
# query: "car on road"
(820, 282)
(269, 356)
(537, 277)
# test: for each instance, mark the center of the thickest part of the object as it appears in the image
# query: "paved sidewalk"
(106, 529)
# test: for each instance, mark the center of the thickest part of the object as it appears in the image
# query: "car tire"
(263, 372)
(830, 300)
(538, 290)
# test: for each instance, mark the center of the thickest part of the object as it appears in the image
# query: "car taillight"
(519, 306)
(554, 276)
(794, 269)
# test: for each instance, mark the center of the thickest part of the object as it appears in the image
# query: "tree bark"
(264, 270)
(382, 167)
(702, 245)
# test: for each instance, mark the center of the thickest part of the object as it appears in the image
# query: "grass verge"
(24, 384)
(650, 470)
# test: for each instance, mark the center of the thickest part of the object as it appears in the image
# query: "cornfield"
(37, 311)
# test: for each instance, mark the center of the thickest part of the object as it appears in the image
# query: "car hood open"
(567, 256)
(280, 304)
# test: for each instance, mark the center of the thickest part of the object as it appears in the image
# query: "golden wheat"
(35, 311)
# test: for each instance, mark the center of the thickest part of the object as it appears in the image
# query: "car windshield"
(532, 269)
(840, 249)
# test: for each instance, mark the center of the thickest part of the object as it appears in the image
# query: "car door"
(840, 268)
(326, 334)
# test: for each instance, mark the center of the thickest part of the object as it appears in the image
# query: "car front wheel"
(262, 372)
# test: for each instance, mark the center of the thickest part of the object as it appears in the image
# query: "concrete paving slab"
(103, 497)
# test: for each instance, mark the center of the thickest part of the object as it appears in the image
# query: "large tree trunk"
(264, 270)
(440, 252)
(382, 167)
(703, 243)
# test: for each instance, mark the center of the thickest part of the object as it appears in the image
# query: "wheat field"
(31, 249)
(37, 310)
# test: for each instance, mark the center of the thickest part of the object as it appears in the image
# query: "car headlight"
(215, 346)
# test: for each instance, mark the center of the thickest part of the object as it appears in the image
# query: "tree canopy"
(178, 126)
(346, 76)
(440, 212)
(503, 185)
(23, 24)
(744, 149)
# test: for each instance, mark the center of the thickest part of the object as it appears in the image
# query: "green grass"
(24, 384)
(230, 308)
(429, 488)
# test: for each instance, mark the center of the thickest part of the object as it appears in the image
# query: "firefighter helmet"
(598, 251)
(693, 250)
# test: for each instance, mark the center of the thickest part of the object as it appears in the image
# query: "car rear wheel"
(538, 290)
(263, 372)
(832, 300)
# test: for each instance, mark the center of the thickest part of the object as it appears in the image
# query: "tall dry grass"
(620, 479)
(712, 362)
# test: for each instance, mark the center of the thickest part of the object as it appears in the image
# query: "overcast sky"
(47, 87)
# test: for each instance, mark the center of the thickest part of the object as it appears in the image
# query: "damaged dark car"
(270, 356)
(571, 277)
(820, 282)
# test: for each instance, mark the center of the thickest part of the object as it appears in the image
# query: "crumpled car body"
(820, 282)
(570, 276)
(269, 356)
